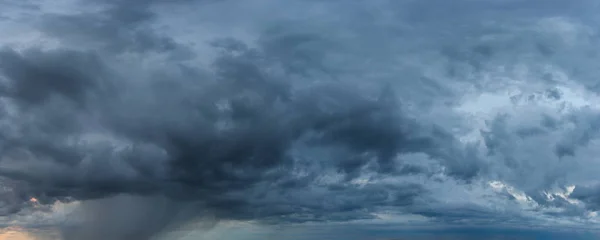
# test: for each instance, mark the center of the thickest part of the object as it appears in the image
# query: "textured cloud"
(152, 116)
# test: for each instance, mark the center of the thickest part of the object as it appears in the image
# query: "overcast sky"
(300, 119)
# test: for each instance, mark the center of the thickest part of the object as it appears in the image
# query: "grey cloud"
(165, 139)
(133, 217)
(307, 123)
(121, 27)
(36, 75)
(590, 195)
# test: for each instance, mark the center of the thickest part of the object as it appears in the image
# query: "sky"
(299, 119)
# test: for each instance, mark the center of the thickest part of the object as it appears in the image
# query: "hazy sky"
(299, 119)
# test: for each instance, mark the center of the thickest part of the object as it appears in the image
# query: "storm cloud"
(153, 116)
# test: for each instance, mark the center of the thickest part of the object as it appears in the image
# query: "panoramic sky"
(299, 119)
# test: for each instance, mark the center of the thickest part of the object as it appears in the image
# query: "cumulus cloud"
(153, 115)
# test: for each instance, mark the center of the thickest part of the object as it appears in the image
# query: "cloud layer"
(475, 113)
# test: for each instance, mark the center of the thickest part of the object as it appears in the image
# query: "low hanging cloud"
(283, 113)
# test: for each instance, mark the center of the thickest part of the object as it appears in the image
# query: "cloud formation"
(188, 111)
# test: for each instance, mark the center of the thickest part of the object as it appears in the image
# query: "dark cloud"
(264, 125)
(590, 195)
(314, 118)
(120, 27)
(134, 217)
(36, 75)
(224, 142)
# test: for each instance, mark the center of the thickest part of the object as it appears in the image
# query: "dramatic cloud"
(148, 119)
